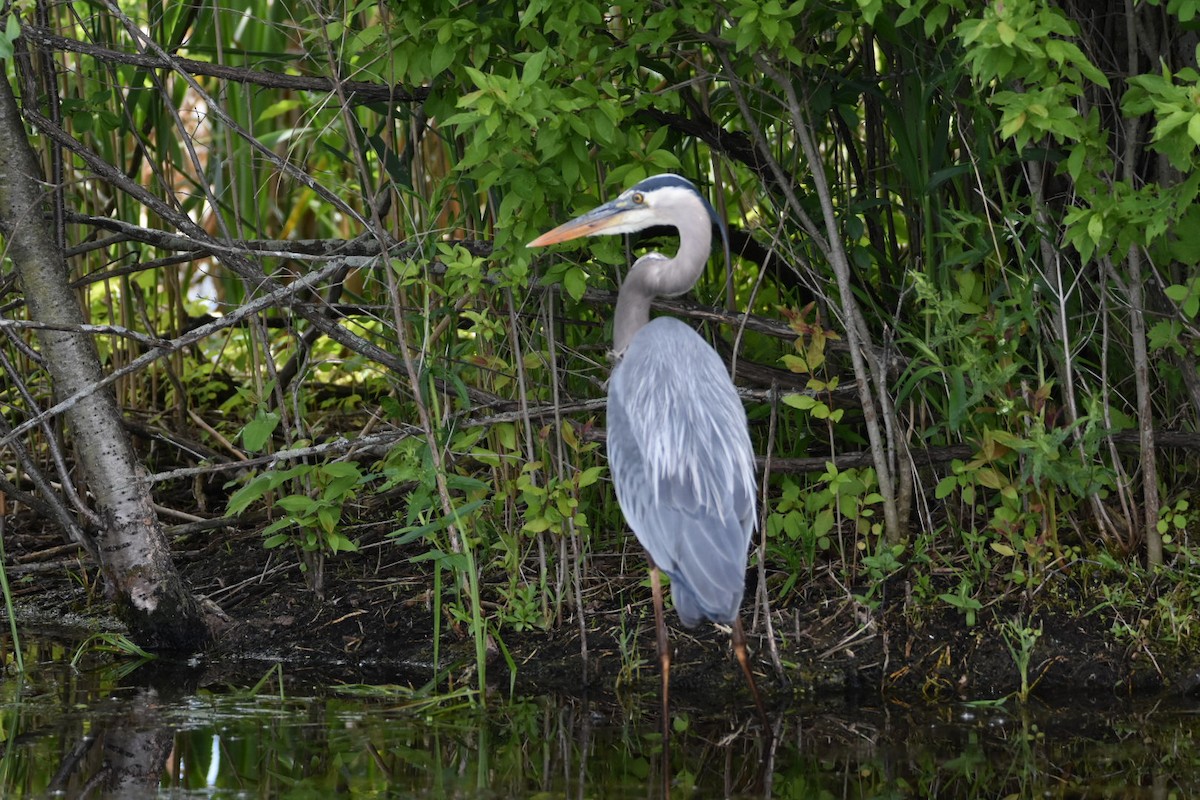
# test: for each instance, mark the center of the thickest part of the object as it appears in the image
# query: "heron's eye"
(638, 198)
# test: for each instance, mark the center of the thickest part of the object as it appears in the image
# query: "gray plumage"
(683, 466)
(678, 444)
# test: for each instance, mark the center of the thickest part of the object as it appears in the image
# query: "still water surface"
(110, 728)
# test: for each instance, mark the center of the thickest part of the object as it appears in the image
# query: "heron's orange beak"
(598, 221)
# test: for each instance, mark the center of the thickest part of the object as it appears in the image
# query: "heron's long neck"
(655, 277)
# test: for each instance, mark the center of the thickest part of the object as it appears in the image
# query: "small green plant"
(631, 659)
(791, 534)
(1028, 480)
(1021, 638)
(523, 611)
(964, 601)
(117, 643)
(551, 505)
(314, 513)
(851, 494)
(884, 562)
(1173, 522)
(809, 359)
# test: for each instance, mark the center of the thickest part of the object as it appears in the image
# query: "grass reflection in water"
(173, 730)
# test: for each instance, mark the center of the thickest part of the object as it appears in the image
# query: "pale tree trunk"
(149, 592)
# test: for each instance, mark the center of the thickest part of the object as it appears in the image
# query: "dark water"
(112, 728)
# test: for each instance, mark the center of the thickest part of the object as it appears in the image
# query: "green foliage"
(258, 430)
(313, 513)
(539, 114)
(1172, 100)
(552, 507)
(1175, 520)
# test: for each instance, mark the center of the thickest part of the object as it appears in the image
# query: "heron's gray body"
(678, 442)
(683, 466)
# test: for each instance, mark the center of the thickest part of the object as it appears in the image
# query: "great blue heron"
(678, 443)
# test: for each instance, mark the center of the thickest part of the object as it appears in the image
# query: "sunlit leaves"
(1124, 217)
(933, 14)
(770, 24)
(1029, 45)
(1174, 101)
(1029, 116)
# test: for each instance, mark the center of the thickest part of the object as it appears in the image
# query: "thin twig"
(95, 330)
(357, 92)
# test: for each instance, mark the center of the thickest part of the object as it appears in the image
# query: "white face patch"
(657, 207)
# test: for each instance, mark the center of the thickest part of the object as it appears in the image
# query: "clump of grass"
(1021, 638)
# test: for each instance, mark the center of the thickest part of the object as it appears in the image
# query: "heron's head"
(661, 200)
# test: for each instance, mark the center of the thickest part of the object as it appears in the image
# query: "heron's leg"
(739, 648)
(664, 653)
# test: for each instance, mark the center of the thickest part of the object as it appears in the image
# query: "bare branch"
(96, 330)
(356, 91)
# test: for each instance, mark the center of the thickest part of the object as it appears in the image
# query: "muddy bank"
(373, 622)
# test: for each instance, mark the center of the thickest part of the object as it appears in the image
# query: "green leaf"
(1076, 160)
(536, 525)
(12, 30)
(946, 487)
(533, 67)
(1006, 33)
(259, 430)
(590, 476)
(990, 478)
(277, 540)
(442, 56)
(278, 108)
(82, 121)
(338, 543)
(297, 504)
(802, 402)
(1194, 128)
(328, 518)
(1012, 124)
(240, 500)
(823, 522)
(575, 283)
(342, 469)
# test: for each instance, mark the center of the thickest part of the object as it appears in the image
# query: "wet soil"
(373, 622)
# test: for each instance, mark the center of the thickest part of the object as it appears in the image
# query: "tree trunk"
(149, 592)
